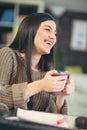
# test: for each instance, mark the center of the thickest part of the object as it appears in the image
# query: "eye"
(48, 29)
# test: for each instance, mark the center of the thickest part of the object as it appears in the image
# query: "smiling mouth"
(49, 43)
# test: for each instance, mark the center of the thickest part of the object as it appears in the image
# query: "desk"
(20, 125)
(36, 120)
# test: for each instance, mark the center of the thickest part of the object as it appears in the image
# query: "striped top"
(13, 81)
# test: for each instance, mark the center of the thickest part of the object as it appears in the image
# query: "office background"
(71, 49)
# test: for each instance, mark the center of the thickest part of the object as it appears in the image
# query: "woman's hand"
(69, 87)
(68, 90)
(53, 83)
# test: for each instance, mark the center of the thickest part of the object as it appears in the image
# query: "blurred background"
(71, 47)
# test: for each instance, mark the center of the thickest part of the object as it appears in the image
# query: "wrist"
(33, 88)
(59, 102)
(38, 85)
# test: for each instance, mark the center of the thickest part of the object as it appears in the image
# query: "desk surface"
(21, 125)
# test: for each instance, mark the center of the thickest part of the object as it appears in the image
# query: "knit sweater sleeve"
(10, 94)
(6, 65)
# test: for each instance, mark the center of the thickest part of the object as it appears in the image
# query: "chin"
(46, 52)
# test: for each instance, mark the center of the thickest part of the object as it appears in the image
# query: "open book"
(57, 120)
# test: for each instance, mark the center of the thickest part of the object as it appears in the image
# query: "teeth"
(50, 43)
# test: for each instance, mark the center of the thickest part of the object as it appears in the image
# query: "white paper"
(45, 118)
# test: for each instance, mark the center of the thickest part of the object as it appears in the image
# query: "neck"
(35, 61)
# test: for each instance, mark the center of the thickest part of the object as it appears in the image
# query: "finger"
(70, 88)
(52, 72)
(62, 77)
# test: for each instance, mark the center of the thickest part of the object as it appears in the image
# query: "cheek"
(55, 41)
(37, 41)
(40, 36)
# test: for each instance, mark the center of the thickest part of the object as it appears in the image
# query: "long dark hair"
(24, 41)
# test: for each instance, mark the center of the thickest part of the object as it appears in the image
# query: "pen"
(59, 122)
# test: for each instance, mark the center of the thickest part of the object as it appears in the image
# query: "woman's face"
(45, 37)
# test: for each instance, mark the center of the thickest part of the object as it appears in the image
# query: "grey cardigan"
(13, 81)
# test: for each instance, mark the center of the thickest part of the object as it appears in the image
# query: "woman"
(27, 68)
